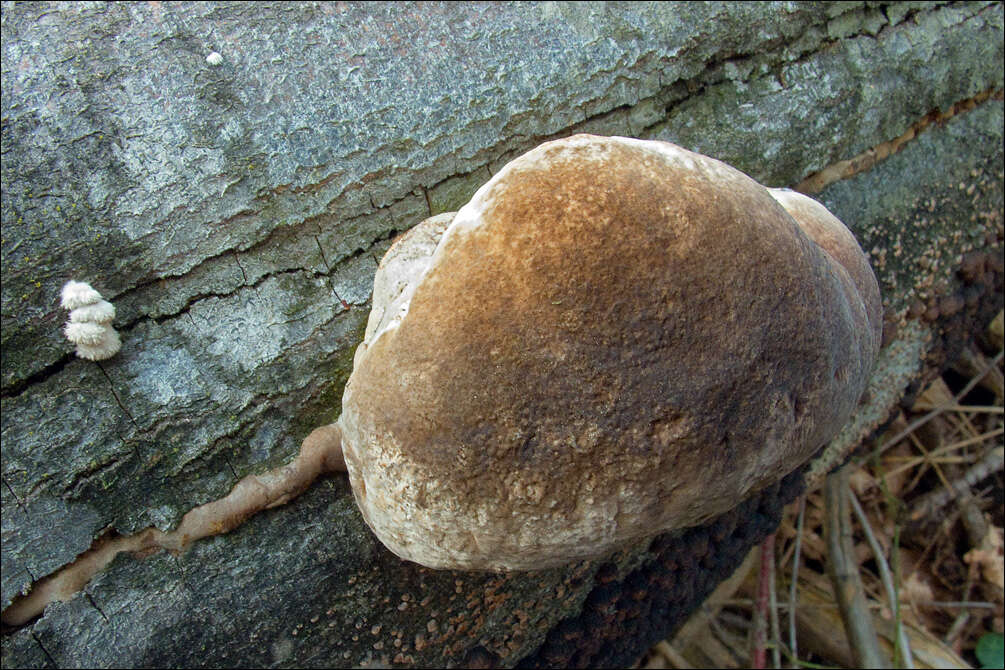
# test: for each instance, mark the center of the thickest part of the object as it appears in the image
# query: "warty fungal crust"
(612, 339)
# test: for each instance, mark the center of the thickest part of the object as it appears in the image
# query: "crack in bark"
(713, 74)
(81, 477)
(244, 275)
(320, 452)
(846, 169)
(425, 193)
(230, 465)
(118, 400)
(94, 604)
(38, 377)
(328, 274)
(16, 498)
(255, 284)
(48, 656)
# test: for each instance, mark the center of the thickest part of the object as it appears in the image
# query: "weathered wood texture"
(229, 210)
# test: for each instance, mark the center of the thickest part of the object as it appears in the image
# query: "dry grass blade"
(801, 515)
(914, 462)
(665, 656)
(914, 425)
(993, 461)
(766, 611)
(903, 646)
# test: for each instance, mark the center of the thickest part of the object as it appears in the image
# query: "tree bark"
(234, 214)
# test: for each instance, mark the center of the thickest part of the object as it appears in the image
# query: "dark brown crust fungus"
(614, 338)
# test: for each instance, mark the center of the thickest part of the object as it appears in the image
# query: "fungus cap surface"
(106, 347)
(612, 339)
(78, 294)
(86, 332)
(834, 237)
(101, 311)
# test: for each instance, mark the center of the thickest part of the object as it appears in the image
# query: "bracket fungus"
(614, 338)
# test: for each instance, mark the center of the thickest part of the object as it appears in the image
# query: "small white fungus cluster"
(90, 324)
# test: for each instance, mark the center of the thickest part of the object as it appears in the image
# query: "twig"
(795, 578)
(730, 643)
(991, 462)
(972, 409)
(843, 570)
(736, 620)
(903, 645)
(761, 611)
(898, 578)
(963, 618)
(941, 460)
(972, 517)
(935, 453)
(675, 657)
(694, 640)
(971, 604)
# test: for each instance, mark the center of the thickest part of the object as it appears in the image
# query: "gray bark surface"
(227, 211)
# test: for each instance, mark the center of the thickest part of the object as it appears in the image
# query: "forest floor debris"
(918, 552)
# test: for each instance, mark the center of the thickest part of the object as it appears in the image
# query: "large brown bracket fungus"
(614, 338)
